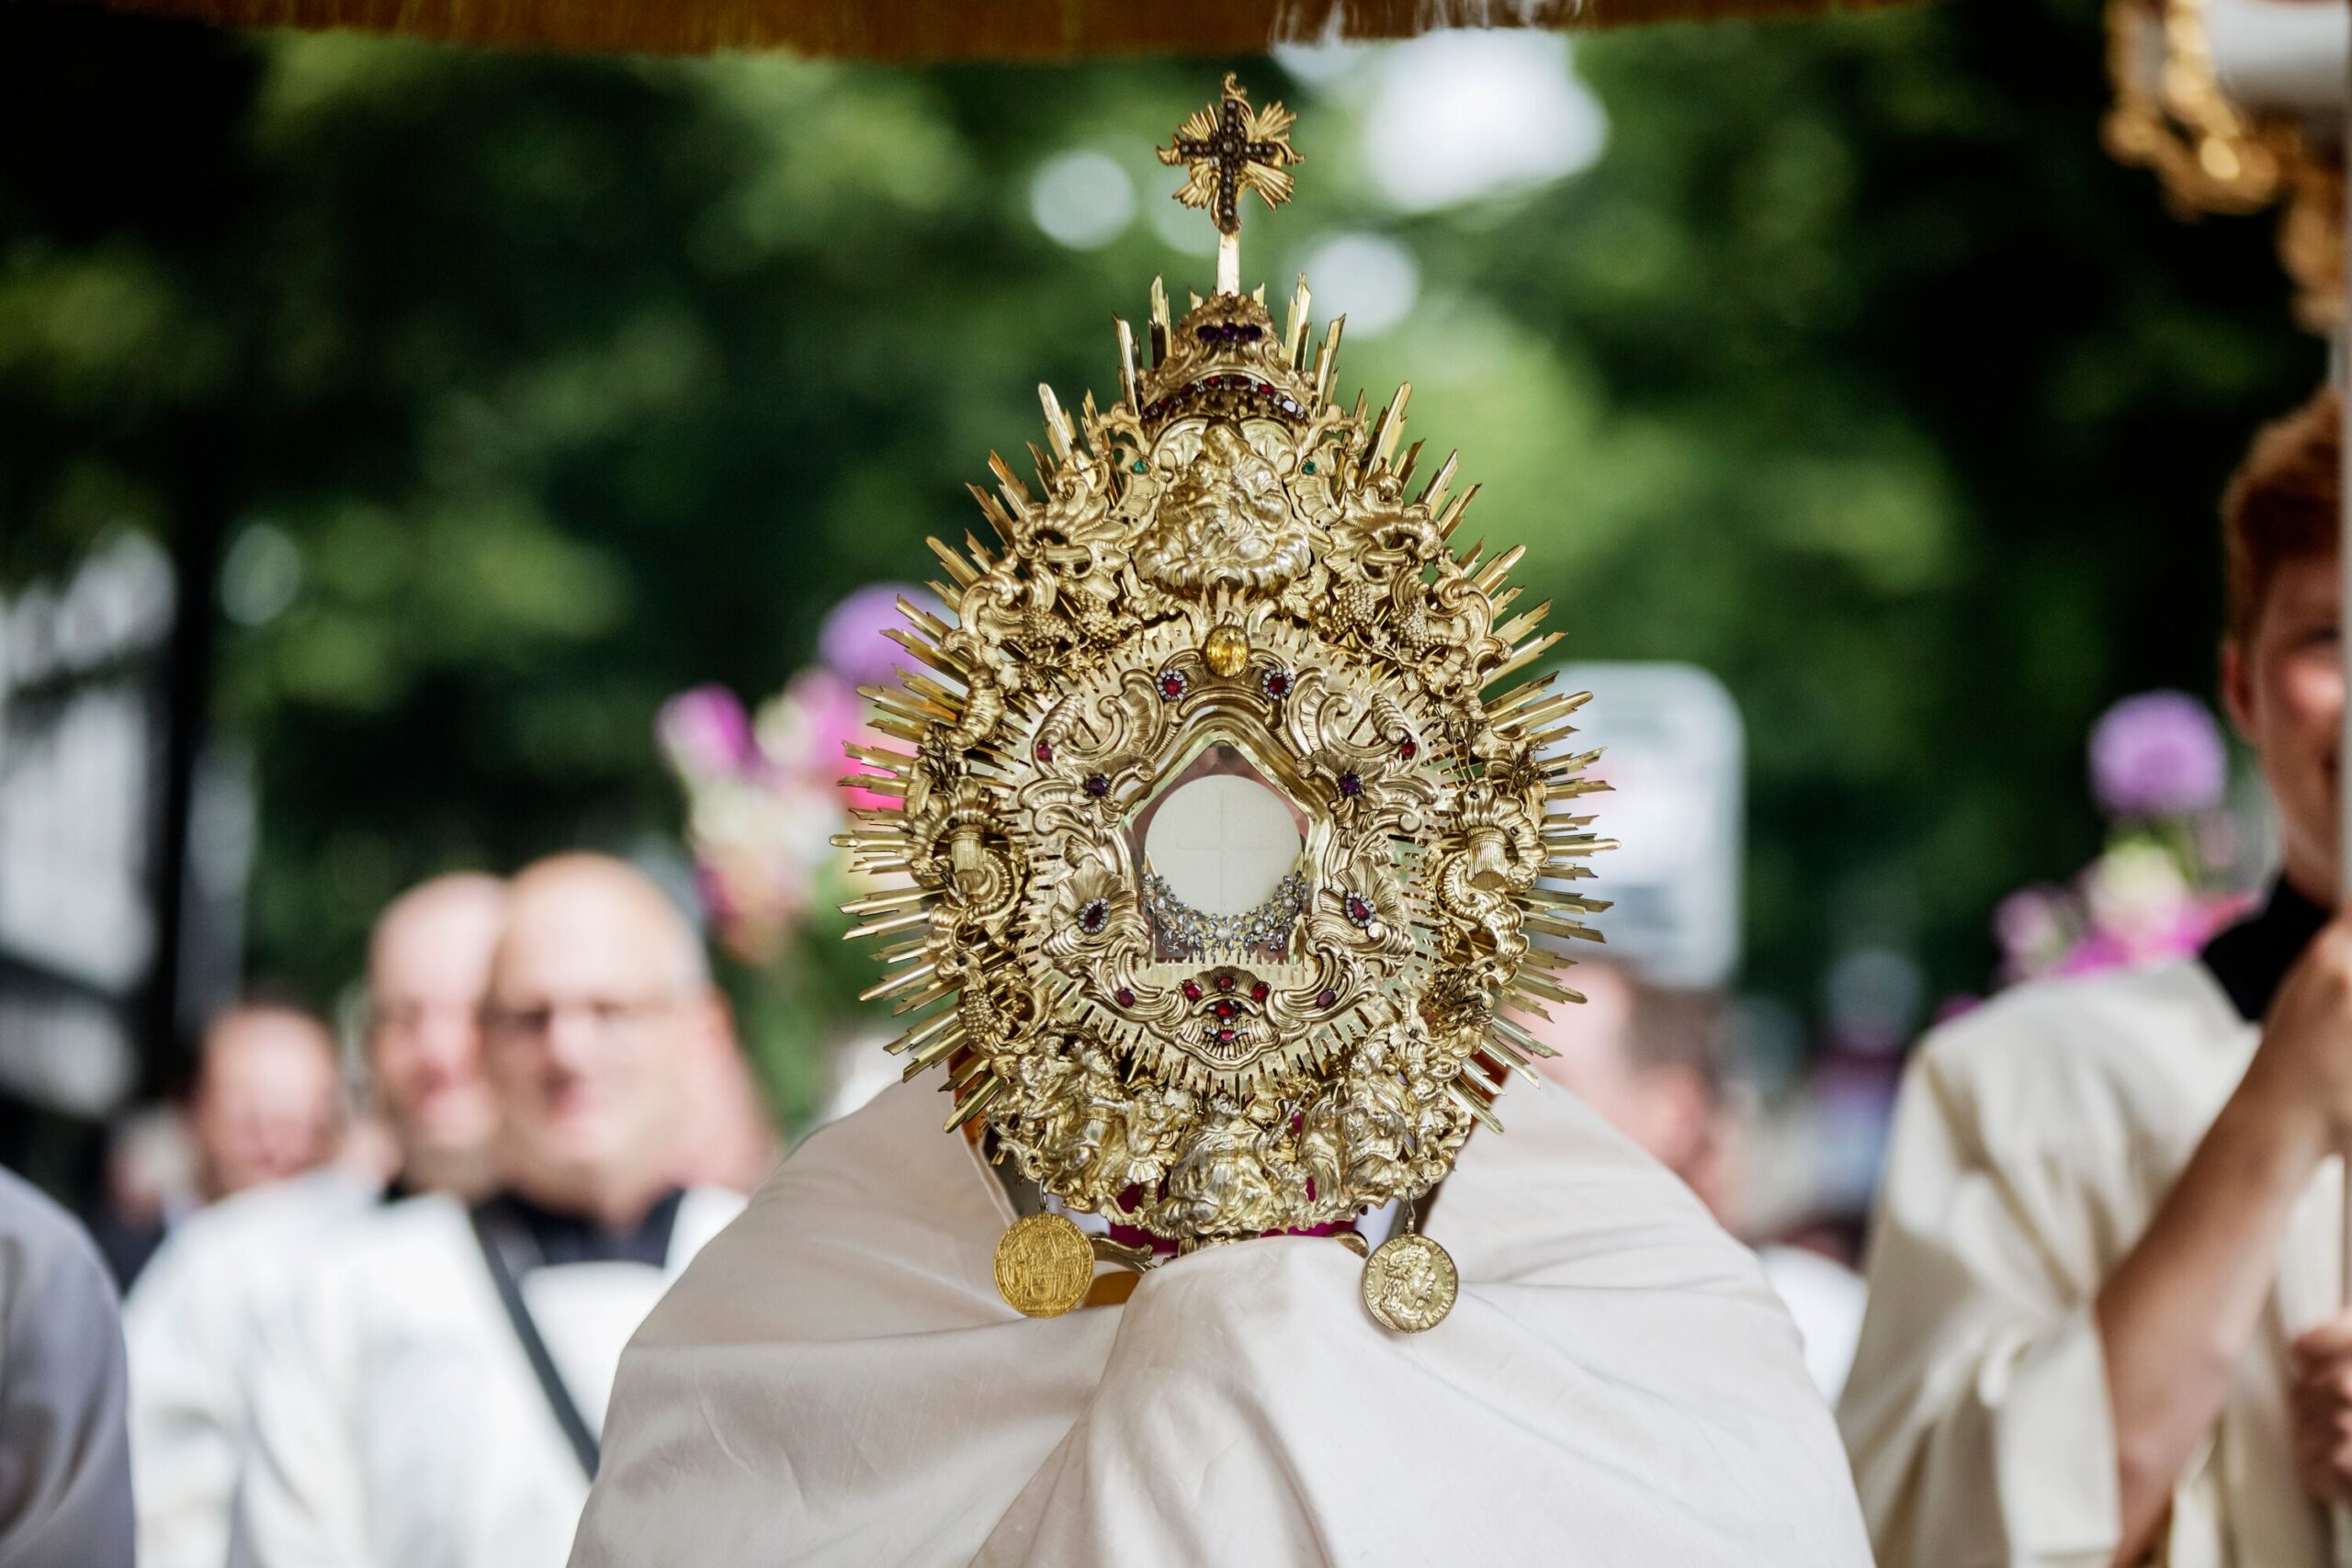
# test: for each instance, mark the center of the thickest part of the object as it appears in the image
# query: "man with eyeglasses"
(196, 1321)
(436, 1393)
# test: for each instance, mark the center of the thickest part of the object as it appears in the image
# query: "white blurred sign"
(1676, 761)
(80, 745)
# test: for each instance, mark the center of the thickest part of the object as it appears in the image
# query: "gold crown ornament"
(1221, 863)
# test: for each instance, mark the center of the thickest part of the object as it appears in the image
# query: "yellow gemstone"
(1227, 650)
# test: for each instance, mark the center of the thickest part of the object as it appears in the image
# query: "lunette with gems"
(1225, 558)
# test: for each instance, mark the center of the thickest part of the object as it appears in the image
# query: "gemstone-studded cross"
(1226, 149)
(1238, 150)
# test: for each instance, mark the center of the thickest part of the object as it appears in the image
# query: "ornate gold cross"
(1227, 149)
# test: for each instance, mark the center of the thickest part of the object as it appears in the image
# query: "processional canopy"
(1224, 862)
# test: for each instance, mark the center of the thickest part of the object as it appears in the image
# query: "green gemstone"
(1141, 467)
(1307, 466)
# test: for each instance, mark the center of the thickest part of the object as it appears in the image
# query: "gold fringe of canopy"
(952, 30)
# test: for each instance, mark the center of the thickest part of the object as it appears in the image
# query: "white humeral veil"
(836, 1380)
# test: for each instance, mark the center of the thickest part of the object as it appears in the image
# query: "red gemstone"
(1124, 997)
(1223, 1036)
(1258, 992)
(1409, 749)
(1045, 751)
(1225, 982)
(1359, 908)
(1226, 1010)
(1192, 990)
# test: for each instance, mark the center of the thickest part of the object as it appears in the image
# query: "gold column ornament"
(1224, 579)
(2171, 115)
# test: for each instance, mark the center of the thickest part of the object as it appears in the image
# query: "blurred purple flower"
(2158, 754)
(851, 642)
(705, 731)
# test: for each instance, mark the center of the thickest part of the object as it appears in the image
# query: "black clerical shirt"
(2250, 959)
(557, 1239)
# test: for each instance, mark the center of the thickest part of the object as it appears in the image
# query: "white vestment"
(836, 1380)
(64, 1465)
(1825, 1298)
(2034, 1139)
(396, 1423)
(195, 1322)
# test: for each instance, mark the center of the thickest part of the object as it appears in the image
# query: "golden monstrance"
(1222, 858)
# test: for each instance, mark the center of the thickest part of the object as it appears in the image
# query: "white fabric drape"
(836, 1380)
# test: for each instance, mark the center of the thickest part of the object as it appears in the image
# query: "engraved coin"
(1045, 1265)
(1409, 1283)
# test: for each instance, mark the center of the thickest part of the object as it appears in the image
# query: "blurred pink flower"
(2158, 754)
(851, 643)
(802, 731)
(704, 731)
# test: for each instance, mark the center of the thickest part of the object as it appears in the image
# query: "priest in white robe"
(2105, 1323)
(837, 1380)
(196, 1319)
(433, 1397)
(64, 1466)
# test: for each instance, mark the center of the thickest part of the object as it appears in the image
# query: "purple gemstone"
(1275, 683)
(1124, 997)
(1351, 784)
(1359, 908)
(1093, 915)
(1326, 1000)
(1045, 751)
(1098, 785)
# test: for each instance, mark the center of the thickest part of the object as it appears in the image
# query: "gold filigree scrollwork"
(1223, 571)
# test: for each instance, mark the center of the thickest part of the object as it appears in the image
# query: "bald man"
(197, 1321)
(438, 1393)
(1649, 1059)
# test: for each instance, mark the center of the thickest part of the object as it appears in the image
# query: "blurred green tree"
(536, 388)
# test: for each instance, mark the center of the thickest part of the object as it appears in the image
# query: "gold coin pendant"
(1409, 1283)
(1045, 1265)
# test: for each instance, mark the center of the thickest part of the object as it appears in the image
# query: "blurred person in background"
(1650, 1060)
(728, 1135)
(437, 1398)
(148, 1186)
(269, 1098)
(198, 1318)
(265, 1103)
(2105, 1321)
(64, 1467)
